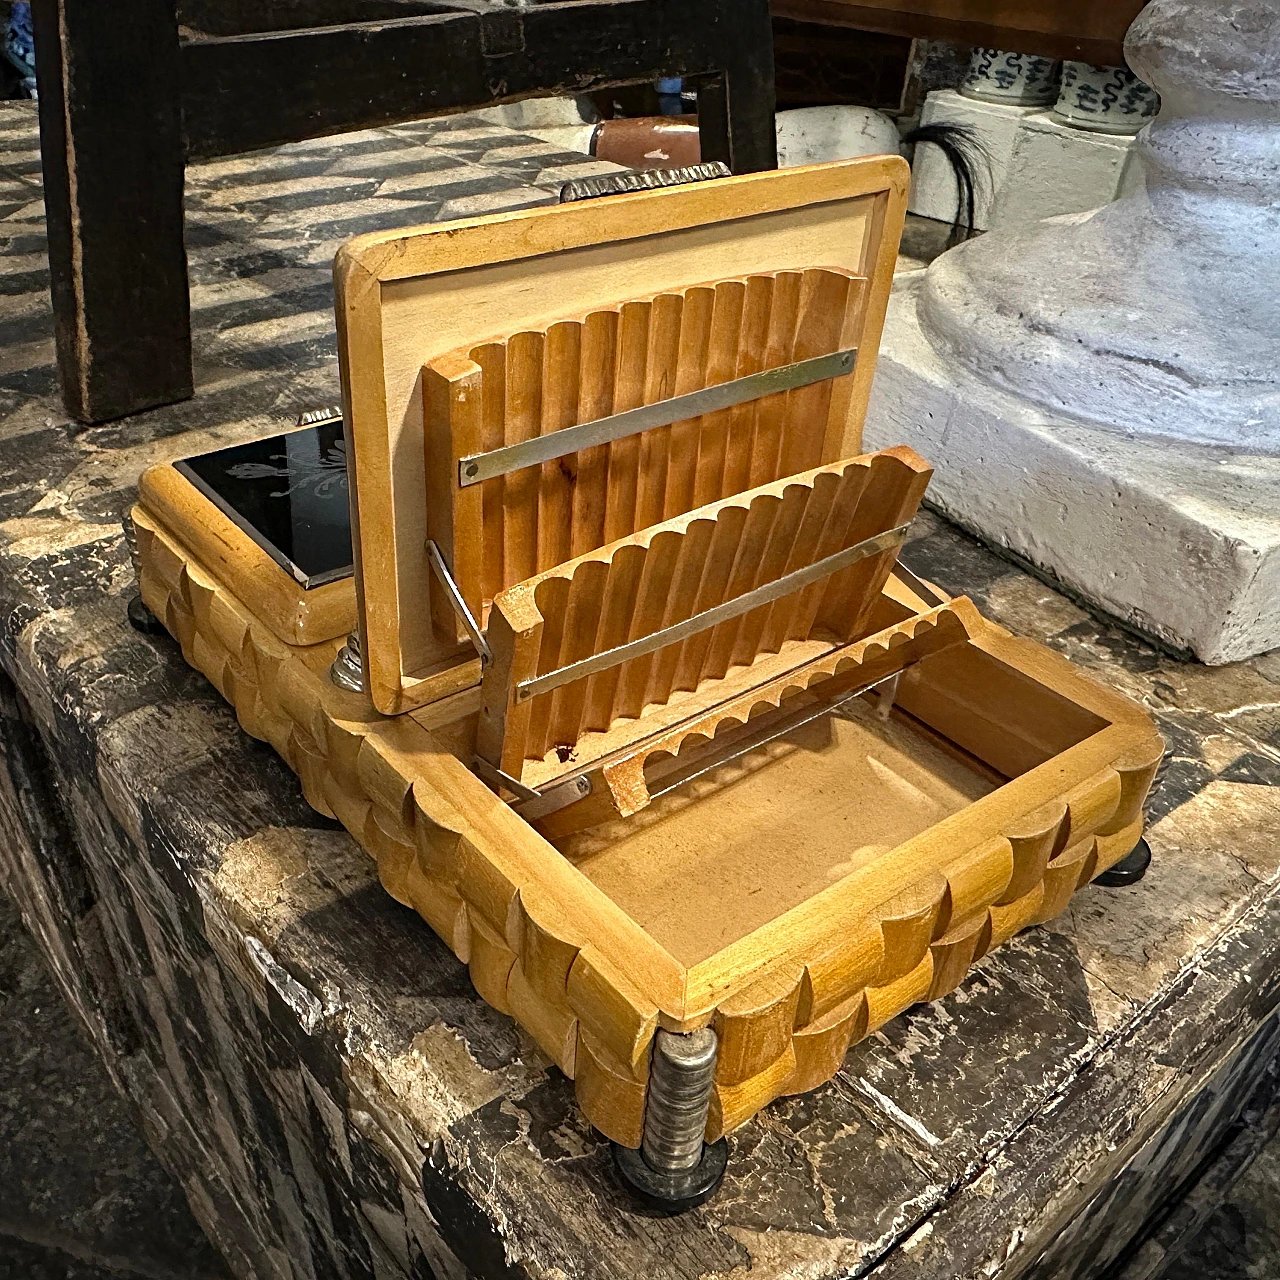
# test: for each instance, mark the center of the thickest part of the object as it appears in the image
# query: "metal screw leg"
(674, 1169)
(142, 619)
(347, 671)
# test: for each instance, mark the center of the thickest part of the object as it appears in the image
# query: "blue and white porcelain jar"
(1019, 79)
(1105, 99)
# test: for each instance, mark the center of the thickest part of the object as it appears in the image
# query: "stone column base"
(1180, 541)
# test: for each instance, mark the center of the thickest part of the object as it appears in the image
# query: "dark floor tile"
(73, 1166)
(22, 1261)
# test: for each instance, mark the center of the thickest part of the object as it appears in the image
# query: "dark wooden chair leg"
(735, 108)
(122, 101)
(113, 156)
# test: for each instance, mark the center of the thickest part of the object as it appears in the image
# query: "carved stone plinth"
(1099, 392)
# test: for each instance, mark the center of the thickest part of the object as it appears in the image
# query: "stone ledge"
(1181, 541)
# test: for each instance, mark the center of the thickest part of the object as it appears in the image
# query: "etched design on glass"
(325, 473)
(289, 494)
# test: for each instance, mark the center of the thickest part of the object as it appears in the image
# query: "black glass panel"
(289, 494)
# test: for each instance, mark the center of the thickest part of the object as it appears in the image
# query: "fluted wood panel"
(537, 382)
(672, 571)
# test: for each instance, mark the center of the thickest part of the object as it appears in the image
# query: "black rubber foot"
(1129, 870)
(673, 1193)
(142, 619)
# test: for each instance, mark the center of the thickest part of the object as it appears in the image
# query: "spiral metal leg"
(142, 619)
(346, 671)
(674, 1169)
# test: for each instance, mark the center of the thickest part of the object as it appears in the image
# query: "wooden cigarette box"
(645, 719)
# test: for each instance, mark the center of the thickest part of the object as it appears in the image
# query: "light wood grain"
(641, 352)
(795, 895)
(554, 619)
(408, 297)
(581, 973)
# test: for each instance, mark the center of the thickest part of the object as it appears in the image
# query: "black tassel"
(968, 159)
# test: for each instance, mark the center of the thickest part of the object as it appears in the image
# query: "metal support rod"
(465, 616)
(930, 595)
(530, 803)
(495, 777)
(479, 467)
(675, 1116)
(773, 728)
(553, 799)
(708, 618)
(888, 696)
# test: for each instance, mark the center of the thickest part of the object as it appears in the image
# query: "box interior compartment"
(710, 862)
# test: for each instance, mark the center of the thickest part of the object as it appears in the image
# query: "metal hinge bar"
(530, 804)
(625, 184)
(495, 777)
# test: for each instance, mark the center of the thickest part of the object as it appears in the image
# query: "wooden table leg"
(113, 147)
(735, 108)
(113, 155)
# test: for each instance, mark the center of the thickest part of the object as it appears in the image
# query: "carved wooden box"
(657, 732)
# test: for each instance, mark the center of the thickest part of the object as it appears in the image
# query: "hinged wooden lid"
(409, 299)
